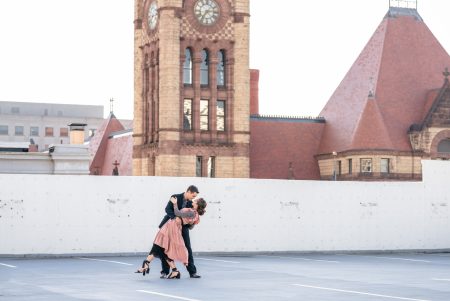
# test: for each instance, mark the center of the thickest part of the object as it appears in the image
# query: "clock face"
(207, 11)
(152, 15)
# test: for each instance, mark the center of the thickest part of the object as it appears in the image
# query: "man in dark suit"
(184, 200)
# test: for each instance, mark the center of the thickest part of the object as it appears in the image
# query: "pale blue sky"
(81, 52)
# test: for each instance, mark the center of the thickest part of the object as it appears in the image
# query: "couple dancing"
(172, 241)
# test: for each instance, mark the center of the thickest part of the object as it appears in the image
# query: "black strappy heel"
(145, 270)
(172, 276)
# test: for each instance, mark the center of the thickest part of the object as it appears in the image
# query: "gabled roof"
(433, 108)
(98, 144)
(430, 99)
(119, 149)
(400, 64)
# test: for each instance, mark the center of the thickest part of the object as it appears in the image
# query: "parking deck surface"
(306, 277)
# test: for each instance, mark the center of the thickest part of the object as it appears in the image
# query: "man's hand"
(174, 200)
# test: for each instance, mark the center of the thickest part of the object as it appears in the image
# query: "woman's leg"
(146, 264)
(175, 274)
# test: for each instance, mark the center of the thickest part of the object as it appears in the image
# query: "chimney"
(77, 133)
(32, 148)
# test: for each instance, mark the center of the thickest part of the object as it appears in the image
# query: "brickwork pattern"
(226, 33)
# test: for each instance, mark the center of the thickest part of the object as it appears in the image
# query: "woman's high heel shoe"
(144, 270)
(175, 274)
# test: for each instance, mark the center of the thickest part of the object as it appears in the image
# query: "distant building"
(61, 159)
(42, 138)
(45, 124)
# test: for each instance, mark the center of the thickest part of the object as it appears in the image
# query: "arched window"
(204, 74)
(444, 146)
(221, 68)
(187, 67)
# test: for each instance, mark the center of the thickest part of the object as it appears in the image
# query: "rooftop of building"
(50, 109)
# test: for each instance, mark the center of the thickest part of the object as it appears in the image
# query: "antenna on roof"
(403, 4)
(111, 105)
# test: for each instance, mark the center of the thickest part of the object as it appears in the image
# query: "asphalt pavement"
(306, 277)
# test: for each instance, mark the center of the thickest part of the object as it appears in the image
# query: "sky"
(81, 52)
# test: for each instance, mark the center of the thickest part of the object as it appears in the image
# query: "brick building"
(192, 95)
(196, 101)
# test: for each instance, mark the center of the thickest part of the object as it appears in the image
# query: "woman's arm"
(188, 214)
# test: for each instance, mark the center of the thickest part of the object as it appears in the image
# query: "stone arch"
(434, 154)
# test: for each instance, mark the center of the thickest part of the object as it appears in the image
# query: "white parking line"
(218, 260)
(300, 258)
(437, 279)
(8, 265)
(110, 261)
(168, 296)
(359, 293)
(398, 258)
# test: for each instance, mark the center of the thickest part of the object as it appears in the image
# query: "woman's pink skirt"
(169, 238)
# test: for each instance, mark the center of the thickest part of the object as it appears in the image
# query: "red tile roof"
(98, 143)
(371, 131)
(119, 149)
(400, 64)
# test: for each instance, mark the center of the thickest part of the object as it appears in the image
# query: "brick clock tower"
(192, 88)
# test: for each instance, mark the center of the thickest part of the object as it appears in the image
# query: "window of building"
(48, 131)
(221, 68)
(366, 165)
(18, 130)
(221, 115)
(198, 166)
(212, 167)
(204, 115)
(350, 166)
(339, 167)
(34, 131)
(187, 67)
(204, 66)
(15, 110)
(187, 115)
(64, 132)
(444, 146)
(45, 112)
(384, 165)
(3, 130)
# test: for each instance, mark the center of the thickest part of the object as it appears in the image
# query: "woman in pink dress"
(169, 244)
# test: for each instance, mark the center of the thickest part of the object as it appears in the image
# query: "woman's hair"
(201, 205)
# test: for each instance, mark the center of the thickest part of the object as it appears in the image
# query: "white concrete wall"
(45, 214)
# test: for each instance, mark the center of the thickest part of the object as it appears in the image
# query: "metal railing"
(403, 3)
